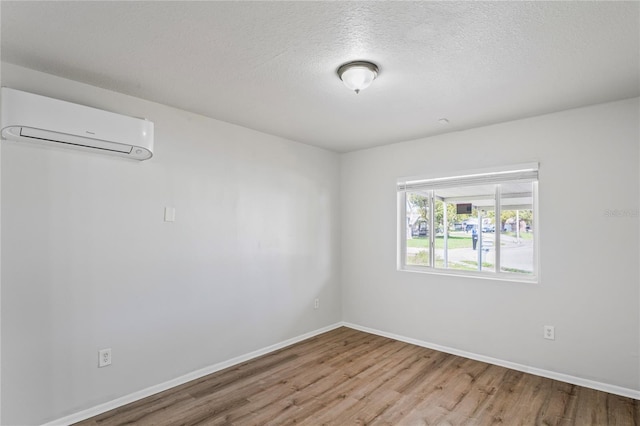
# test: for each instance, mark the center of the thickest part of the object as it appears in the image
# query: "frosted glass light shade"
(358, 75)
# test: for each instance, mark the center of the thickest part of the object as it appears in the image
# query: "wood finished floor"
(347, 377)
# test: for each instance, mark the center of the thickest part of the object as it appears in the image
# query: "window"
(480, 224)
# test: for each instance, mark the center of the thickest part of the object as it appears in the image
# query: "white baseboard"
(617, 390)
(127, 399)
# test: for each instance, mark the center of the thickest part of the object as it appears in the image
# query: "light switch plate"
(169, 214)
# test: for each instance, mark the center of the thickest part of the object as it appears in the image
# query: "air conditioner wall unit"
(26, 117)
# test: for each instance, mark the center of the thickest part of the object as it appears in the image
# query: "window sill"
(492, 276)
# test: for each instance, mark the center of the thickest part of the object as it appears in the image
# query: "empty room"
(319, 213)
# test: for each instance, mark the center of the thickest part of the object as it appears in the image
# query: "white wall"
(88, 263)
(589, 286)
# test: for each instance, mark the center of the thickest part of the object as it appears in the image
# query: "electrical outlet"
(549, 332)
(316, 304)
(104, 357)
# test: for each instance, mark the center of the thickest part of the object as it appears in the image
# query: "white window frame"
(515, 173)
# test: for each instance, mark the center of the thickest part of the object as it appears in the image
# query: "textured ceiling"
(271, 66)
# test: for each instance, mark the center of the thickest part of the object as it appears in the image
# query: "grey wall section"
(89, 263)
(589, 285)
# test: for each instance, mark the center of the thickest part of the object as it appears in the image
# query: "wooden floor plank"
(482, 388)
(348, 377)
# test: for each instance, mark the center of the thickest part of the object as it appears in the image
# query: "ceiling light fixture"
(358, 75)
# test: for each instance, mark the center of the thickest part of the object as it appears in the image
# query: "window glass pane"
(465, 228)
(517, 237)
(454, 224)
(417, 228)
